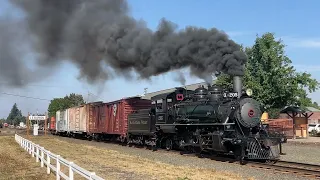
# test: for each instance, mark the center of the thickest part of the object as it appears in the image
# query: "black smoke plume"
(95, 33)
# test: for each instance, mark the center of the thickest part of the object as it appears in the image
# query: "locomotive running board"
(204, 124)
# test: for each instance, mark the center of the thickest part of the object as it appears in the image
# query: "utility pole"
(45, 124)
(145, 91)
(28, 124)
(88, 97)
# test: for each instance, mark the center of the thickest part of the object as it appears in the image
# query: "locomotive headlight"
(249, 92)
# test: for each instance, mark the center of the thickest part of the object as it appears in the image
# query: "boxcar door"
(90, 119)
(77, 119)
(102, 119)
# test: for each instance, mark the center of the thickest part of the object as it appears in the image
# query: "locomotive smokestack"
(237, 85)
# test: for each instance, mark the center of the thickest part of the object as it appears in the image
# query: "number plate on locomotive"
(230, 95)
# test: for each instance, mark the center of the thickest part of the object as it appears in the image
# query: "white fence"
(46, 157)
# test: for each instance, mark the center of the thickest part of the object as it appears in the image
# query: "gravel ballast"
(294, 153)
(304, 153)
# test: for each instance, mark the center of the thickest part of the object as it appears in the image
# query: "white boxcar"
(57, 120)
(62, 121)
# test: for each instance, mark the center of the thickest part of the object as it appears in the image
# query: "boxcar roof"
(188, 87)
(161, 96)
(125, 98)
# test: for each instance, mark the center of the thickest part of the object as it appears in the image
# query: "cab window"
(159, 104)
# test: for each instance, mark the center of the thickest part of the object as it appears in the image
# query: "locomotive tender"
(205, 120)
(210, 119)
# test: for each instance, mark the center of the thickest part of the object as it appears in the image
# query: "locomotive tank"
(204, 107)
(204, 112)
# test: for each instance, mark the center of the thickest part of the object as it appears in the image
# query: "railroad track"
(301, 169)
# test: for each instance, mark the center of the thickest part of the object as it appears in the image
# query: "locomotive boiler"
(209, 119)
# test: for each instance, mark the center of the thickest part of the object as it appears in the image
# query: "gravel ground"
(296, 153)
(304, 153)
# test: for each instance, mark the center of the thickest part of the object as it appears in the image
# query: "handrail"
(46, 156)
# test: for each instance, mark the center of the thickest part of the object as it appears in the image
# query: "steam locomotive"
(210, 119)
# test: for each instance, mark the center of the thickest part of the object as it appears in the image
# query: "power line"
(24, 96)
(39, 85)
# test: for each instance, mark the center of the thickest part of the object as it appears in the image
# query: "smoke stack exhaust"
(237, 85)
(90, 33)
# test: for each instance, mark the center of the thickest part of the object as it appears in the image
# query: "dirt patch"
(111, 164)
(16, 163)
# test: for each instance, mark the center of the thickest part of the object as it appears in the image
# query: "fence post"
(48, 162)
(37, 155)
(42, 156)
(92, 174)
(58, 167)
(29, 147)
(70, 171)
(32, 149)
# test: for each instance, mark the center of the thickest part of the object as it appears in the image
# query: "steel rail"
(302, 169)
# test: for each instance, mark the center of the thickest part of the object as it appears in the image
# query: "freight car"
(81, 118)
(52, 125)
(62, 122)
(110, 120)
(98, 120)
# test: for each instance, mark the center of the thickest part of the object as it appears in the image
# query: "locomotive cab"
(164, 104)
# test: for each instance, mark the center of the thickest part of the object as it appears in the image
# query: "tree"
(63, 103)
(274, 81)
(315, 105)
(2, 120)
(15, 116)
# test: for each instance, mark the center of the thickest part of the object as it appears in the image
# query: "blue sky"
(294, 21)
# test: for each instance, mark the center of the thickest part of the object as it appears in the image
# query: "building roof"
(312, 109)
(188, 87)
(299, 109)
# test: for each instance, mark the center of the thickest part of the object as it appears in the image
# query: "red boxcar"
(112, 117)
(52, 124)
